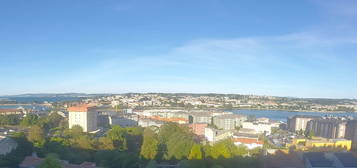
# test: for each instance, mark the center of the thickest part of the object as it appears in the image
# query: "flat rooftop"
(318, 159)
(347, 159)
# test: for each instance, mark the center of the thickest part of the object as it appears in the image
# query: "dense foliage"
(119, 147)
(9, 120)
(23, 149)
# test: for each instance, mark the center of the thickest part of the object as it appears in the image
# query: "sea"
(33, 107)
(41, 99)
(279, 115)
(34, 103)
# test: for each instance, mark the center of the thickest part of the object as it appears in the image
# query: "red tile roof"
(79, 108)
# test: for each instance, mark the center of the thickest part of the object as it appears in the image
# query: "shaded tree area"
(24, 148)
(119, 147)
(176, 144)
(51, 161)
(34, 139)
(9, 120)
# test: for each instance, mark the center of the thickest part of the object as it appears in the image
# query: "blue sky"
(303, 48)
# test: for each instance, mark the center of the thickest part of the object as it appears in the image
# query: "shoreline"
(222, 109)
(302, 111)
(258, 109)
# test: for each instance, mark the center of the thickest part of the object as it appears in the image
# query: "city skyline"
(296, 49)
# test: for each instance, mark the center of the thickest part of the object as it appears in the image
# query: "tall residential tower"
(84, 116)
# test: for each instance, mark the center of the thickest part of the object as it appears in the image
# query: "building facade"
(213, 135)
(228, 121)
(200, 118)
(327, 128)
(123, 121)
(84, 116)
(11, 111)
(299, 122)
(351, 132)
(198, 128)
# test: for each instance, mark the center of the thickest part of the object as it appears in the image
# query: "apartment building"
(226, 122)
(214, 135)
(327, 128)
(84, 116)
(351, 132)
(299, 122)
(200, 117)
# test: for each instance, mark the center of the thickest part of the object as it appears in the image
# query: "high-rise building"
(84, 116)
(228, 121)
(299, 122)
(327, 128)
(200, 117)
(351, 132)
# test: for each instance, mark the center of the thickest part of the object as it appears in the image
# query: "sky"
(305, 48)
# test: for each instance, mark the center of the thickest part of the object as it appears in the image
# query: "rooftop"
(230, 116)
(318, 159)
(79, 108)
(305, 116)
(347, 159)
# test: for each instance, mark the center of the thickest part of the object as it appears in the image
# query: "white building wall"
(209, 134)
(87, 120)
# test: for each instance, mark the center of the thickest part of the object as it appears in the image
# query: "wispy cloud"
(276, 65)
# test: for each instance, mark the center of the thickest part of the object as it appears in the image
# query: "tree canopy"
(51, 161)
(149, 148)
(36, 136)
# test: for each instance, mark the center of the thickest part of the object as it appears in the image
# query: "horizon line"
(194, 93)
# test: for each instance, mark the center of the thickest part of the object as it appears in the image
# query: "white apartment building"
(149, 122)
(259, 128)
(213, 135)
(84, 116)
(123, 121)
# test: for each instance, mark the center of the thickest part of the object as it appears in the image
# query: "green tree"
(149, 149)
(105, 143)
(54, 120)
(51, 161)
(118, 135)
(76, 130)
(24, 148)
(226, 149)
(36, 136)
(195, 153)
(134, 138)
(29, 120)
(175, 141)
(84, 142)
(9, 120)
(309, 134)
